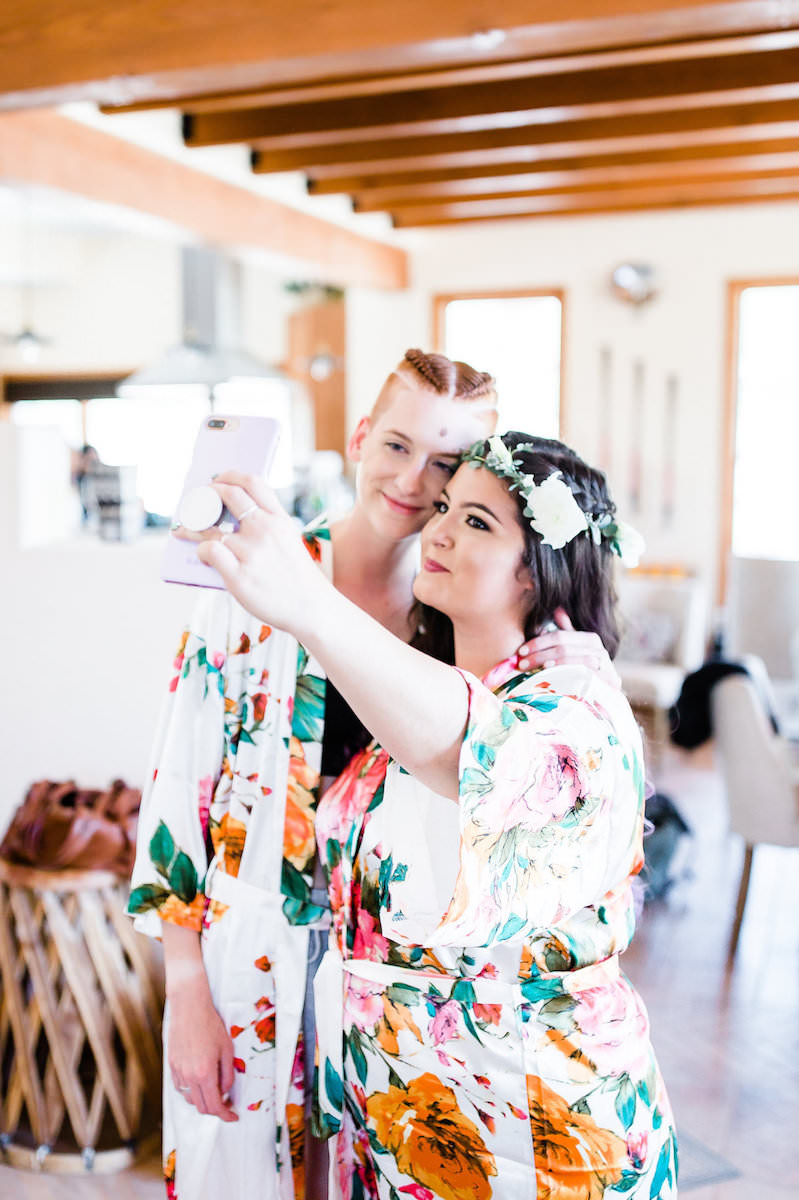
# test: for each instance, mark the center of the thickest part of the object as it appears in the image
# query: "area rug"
(700, 1166)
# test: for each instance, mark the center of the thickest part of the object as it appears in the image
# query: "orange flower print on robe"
(432, 1141)
(230, 835)
(574, 1157)
(295, 1119)
(298, 837)
(188, 916)
(169, 1176)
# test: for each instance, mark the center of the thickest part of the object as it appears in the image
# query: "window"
(518, 339)
(152, 428)
(64, 415)
(766, 423)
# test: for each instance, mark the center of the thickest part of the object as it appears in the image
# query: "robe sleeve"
(172, 850)
(549, 818)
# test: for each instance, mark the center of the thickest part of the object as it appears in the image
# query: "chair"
(760, 776)
(664, 619)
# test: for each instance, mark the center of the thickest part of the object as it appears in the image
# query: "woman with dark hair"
(475, 1035)
(250, 732)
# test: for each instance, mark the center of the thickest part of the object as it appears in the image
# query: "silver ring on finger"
(247, 512)
(184, 1089)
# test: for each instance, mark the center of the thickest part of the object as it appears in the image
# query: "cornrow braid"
(448, 377)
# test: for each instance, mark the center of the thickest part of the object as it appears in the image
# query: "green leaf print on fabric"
(183, 878)
(544, 704)
(485, 755)
(292, 882)
(625, 1101)
(403, 993)
(357, 1054)
(308, 718)
(334, 1087)
(511, 928)
(147, 896)
(475, 784)
(162, 849)
(662, 1171)
(174, 866)
(557, 1011)
(626, 1183)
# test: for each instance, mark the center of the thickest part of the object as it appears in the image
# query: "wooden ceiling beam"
(669, 195)
(379, 189)
(527, 141)
(615, 179)
(133, 50)
(53, 151)
(508, 102)
(480, 70)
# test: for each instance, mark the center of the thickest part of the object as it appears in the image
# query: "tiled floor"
(727, 1039)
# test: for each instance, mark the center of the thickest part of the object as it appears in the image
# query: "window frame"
(730, 415)
(440, 300)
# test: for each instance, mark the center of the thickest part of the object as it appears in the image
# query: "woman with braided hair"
(226, 870)
(476, 1037)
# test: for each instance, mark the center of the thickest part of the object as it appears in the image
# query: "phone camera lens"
(212, 424)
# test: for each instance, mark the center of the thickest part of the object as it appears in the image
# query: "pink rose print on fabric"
(364, 1003)
(614, 1028)
(637, 1146)
(205, 791)
(368, 942)
(444, 1024)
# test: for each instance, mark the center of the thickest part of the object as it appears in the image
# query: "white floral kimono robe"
(476, 1036)
(226, 846)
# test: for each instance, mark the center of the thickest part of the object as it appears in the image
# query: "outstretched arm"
(415, 706)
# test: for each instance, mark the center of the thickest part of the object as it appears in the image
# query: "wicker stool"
(80, 1012)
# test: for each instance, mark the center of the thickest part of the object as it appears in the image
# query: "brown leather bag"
(59, 825)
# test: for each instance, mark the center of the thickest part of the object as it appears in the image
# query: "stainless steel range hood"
(211, 316)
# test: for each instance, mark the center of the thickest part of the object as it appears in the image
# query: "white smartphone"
(224, 443)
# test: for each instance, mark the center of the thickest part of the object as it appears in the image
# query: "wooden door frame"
(734, 289)
(442, 299)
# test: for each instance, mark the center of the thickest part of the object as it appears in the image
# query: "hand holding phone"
(223, 443)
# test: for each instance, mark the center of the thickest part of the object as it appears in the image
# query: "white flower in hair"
(629, 544)
(554, 512)
(500, 455)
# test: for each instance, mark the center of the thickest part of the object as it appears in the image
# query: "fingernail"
(524, 663)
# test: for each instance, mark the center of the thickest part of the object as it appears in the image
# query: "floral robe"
(226, 846)
(476, 1036)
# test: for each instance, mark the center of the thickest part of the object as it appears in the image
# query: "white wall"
(381, 326)
(682, 331)
(87, 632)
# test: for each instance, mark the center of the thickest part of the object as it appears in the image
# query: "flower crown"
(551, 507)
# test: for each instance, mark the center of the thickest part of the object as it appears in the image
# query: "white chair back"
(758, 769)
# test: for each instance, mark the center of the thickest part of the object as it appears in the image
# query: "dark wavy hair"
(578, 577)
